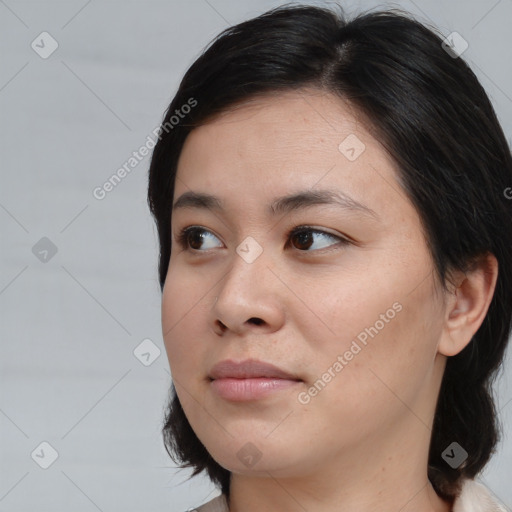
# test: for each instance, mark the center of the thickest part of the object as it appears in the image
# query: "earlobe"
(467, 304)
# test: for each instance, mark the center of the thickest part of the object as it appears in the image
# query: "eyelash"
(182, 238)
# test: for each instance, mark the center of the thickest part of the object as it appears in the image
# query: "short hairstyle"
(431, 114)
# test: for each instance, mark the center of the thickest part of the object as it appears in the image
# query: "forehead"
(275, 144)
(305, 120)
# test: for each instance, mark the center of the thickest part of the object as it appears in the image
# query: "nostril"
(257, 321)
(221, 325)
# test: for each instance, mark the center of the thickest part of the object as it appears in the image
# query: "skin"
(361, 443)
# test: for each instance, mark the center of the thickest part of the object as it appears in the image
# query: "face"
(334, 286)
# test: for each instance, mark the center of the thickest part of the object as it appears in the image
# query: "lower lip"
(239, 390)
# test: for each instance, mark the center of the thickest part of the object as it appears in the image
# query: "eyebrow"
(281, 205)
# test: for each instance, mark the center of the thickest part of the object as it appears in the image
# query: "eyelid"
(322, 231)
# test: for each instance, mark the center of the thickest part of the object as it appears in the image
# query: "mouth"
(249, 380)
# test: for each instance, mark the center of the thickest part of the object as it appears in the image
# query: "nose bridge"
(246, 291)
(248, 268)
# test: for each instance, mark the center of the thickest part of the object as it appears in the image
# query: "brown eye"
(194, 237)
(303, 238)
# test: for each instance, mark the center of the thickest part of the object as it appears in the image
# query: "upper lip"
(250, 368)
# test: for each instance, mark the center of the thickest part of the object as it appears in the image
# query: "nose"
(250, 297)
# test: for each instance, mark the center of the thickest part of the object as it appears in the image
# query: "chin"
(262, 457)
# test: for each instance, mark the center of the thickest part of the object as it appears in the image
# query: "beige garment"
(474, 497)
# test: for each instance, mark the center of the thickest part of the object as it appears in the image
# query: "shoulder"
(475, 497)
(218, 504)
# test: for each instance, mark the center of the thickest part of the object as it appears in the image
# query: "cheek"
(376, 332)
(387, 360)
(183, 303)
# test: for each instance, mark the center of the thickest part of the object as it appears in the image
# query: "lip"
(250, 368)
(249, 380)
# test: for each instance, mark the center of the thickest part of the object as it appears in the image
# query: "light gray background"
(69, 326)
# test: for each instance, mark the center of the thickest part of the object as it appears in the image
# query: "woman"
(336, 266)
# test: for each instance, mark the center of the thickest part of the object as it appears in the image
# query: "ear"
(467, 303)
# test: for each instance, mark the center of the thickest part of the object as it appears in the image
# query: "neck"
(390, 477)
(300, 495)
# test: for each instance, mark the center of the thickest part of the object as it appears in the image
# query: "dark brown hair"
(431, 114)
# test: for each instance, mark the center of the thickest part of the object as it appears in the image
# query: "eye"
(193, 236)
(303, 238)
